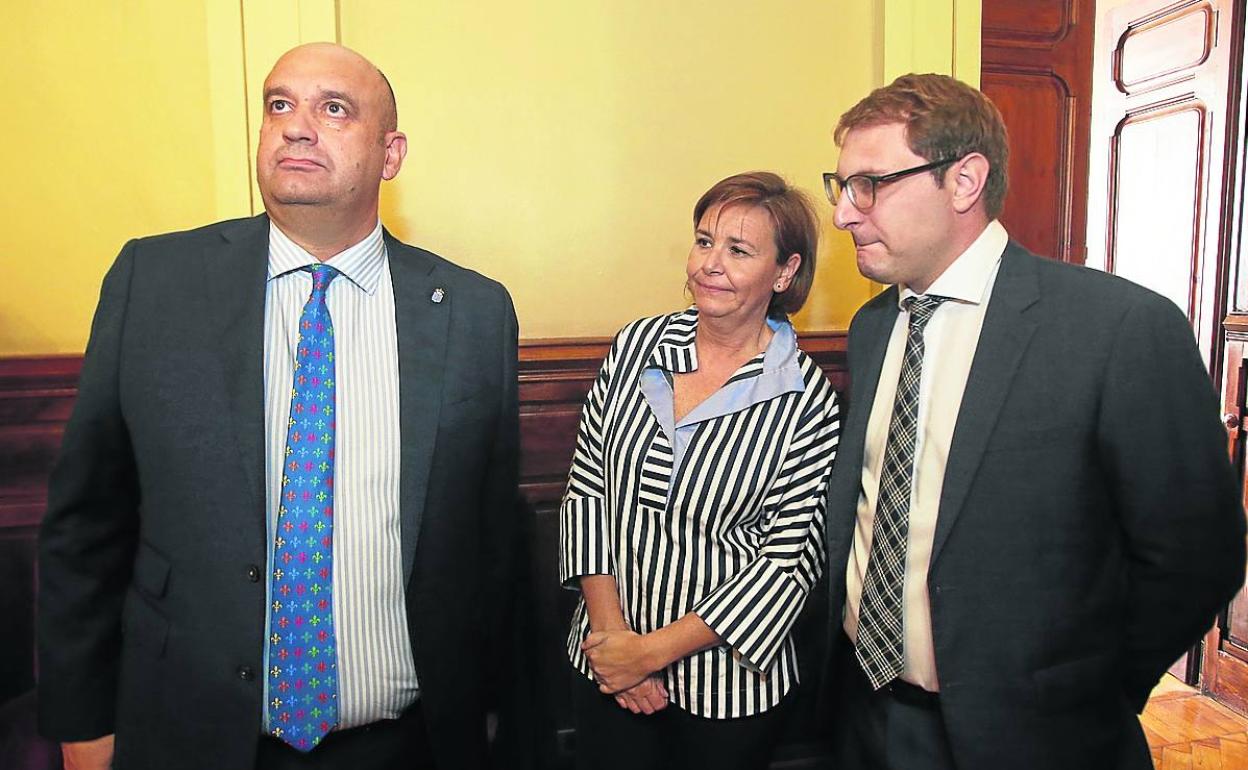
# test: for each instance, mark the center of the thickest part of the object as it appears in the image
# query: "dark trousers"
(609, 737)
(894, 728)
(391, 743)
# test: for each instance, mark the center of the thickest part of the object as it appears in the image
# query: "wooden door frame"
(1229, 370)
(1232, 200)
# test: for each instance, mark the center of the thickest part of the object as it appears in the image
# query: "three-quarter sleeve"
(584, 548)
(754, 610)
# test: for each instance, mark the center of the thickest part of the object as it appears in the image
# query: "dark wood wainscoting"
(37, 394)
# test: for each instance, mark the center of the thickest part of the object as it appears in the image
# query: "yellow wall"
(558, 145)
(928, 36)
(107, 135)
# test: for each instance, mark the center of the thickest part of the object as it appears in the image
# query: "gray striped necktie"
(880, 644)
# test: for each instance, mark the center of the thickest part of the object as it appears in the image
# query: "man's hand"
(647, 697)
(620, 659)
(88, 755)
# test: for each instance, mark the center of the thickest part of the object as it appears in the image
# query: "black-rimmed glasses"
(861, 187)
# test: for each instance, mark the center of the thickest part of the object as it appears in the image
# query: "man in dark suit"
(282, 525)
(1032, 514)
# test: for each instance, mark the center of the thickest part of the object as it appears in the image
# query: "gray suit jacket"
(151, 614)
(1089, 527)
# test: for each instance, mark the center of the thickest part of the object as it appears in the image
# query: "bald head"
(333, 55)
(390, 119)
(328, 140)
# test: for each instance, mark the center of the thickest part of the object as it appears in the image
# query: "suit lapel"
(871, 330)
(865, 381)
(422, 327)
(234, 275)
(1002, 341)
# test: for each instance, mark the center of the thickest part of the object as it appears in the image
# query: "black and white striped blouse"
(720, 513)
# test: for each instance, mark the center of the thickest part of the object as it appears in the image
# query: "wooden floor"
(1188, 731)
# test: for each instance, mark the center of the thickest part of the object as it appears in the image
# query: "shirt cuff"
(582, 536)
(754, 612)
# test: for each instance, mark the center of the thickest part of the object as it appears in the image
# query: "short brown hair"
(944, 118)
(792, 217)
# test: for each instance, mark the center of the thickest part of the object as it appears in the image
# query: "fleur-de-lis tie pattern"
(303, 671)
(880, 646)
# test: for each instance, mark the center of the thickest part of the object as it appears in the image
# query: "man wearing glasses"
(1032, 514)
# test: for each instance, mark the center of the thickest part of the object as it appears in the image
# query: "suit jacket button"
(253, 573)
(246, 674)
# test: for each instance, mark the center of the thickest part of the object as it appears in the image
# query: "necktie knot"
(921, 307)
(321, 276)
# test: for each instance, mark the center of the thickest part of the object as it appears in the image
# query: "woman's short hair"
(792, 217)
(944, 118)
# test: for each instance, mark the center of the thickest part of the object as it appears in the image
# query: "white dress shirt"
(950, 340)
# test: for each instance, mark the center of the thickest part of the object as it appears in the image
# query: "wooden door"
(1164, 101)
(1160, 126)
(1120, 113)
(1037, 68)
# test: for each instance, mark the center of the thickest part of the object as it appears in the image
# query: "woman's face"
(732, 265)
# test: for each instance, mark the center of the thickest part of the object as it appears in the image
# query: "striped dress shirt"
(376, 674)
(720, 513)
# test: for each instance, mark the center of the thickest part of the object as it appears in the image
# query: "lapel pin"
(437, 295)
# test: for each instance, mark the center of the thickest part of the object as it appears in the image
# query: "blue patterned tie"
(303, 655)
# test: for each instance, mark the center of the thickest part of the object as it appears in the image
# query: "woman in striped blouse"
(693, 519)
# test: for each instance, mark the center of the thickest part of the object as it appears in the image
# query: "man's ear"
(970, 175)
(396, 151)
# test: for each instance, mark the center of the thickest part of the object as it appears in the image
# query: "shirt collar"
(968, 278)
(361, 262)
(677, 353)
